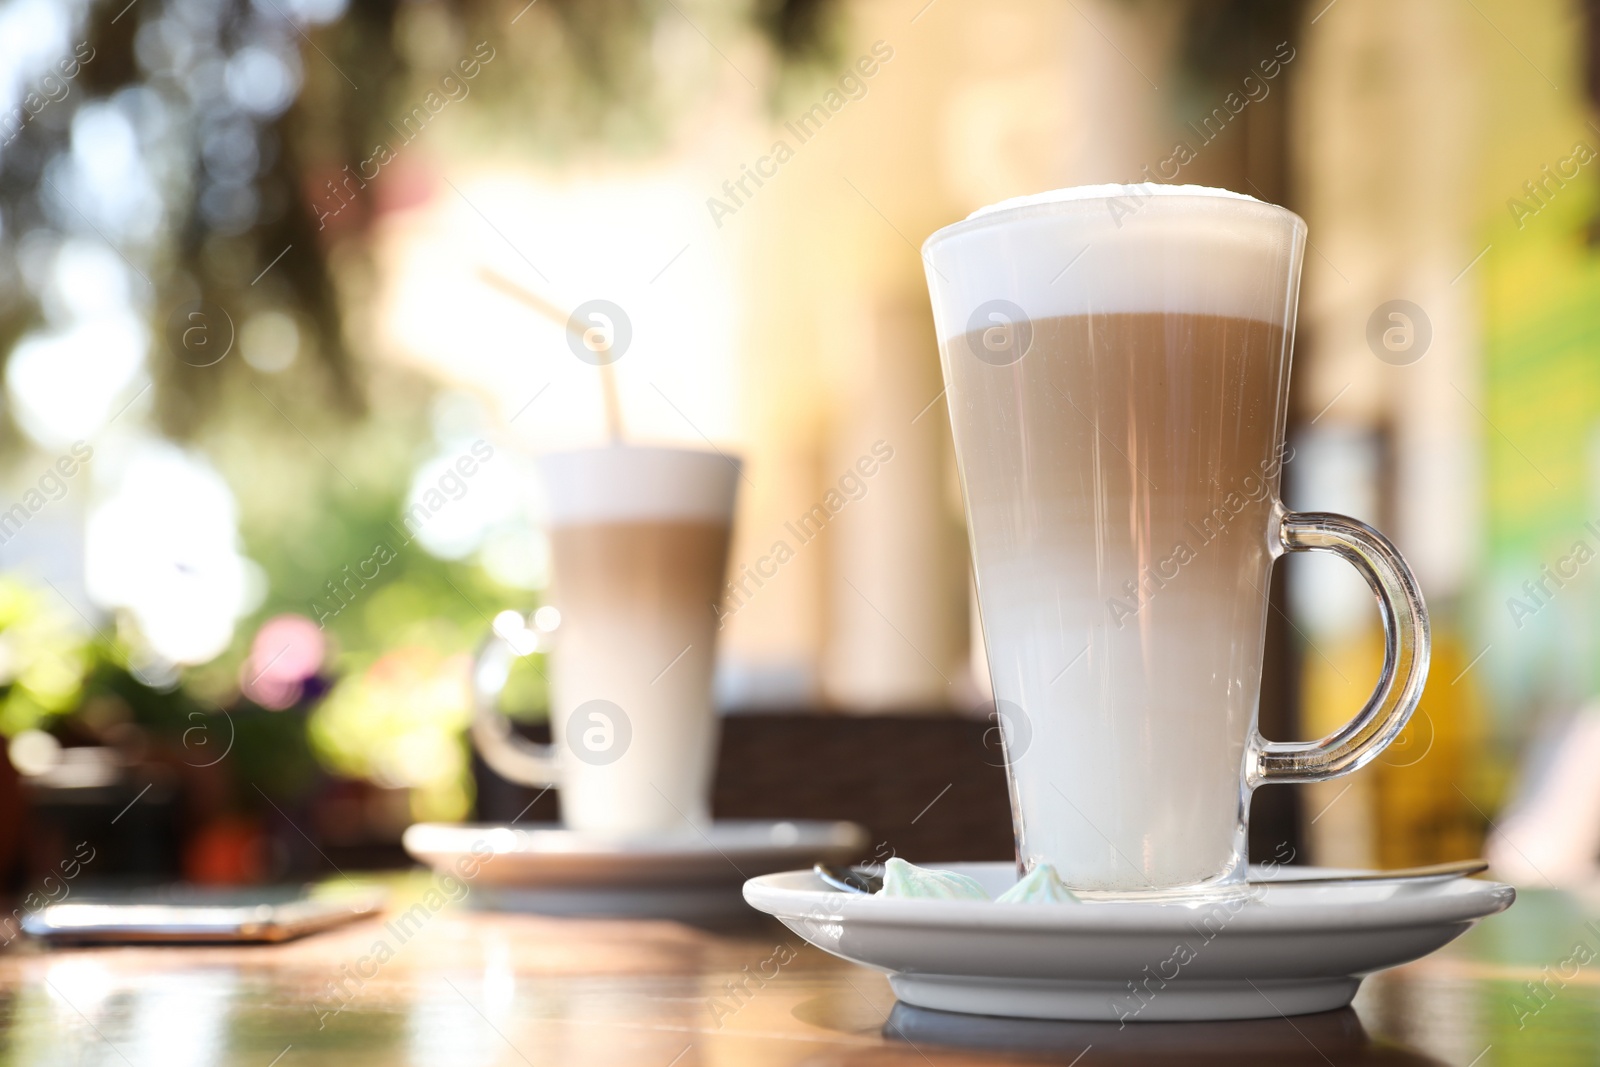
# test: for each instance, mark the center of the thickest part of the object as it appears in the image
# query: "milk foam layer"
(1111, 189)
(1116, 248)
(623, 483)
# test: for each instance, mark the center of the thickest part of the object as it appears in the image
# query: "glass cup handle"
(1405, 653)
(509, 754)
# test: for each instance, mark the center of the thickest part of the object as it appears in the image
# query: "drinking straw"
(608, 376)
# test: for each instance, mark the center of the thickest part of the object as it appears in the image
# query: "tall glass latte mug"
(638, 548)
(1117, 367)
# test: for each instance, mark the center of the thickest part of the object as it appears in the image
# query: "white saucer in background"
(687, 874)
(1293, 949)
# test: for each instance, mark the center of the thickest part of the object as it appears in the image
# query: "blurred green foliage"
(43, 658)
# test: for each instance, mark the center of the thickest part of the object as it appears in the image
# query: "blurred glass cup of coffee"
(1117, 367)
(639, 546)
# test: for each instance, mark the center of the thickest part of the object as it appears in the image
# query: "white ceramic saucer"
(688, 874)
(1288, 950)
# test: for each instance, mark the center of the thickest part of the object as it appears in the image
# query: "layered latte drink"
(1117, 360)
(639, 543)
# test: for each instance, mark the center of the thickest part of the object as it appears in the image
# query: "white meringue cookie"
(1039, 886)
(907, 881)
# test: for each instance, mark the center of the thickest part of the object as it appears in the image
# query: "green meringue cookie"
(1039, 886)
(907, 881)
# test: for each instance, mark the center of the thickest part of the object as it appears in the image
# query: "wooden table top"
(472, 988)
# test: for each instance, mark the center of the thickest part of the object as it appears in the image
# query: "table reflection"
(1335, 1036)
(477, 988)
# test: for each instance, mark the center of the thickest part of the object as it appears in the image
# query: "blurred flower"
(286, 651)
(226, 850)
(400, 723)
